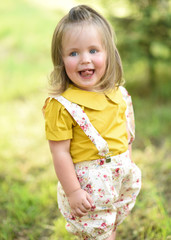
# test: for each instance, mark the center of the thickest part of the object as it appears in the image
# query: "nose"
(85, 58)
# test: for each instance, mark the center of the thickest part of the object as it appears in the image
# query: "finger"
(89, 199)
(79, 213)
(87, 205)
(83, 208)
(73, 213)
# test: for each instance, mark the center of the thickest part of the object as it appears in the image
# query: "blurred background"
(28, 207)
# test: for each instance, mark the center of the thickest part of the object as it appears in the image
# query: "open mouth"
(86, 72)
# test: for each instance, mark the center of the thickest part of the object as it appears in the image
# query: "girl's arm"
(80, 201)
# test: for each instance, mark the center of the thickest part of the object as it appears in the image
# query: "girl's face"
(84, 56)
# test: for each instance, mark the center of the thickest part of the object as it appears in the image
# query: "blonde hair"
(81, 14)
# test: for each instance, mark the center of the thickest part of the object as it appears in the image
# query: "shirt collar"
(93, 100)
(114, 95)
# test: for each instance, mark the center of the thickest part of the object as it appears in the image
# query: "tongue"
(86, 73)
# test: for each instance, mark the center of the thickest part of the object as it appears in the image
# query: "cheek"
(70, 65)
(101, 63)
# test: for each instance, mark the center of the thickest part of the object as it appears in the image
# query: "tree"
(145, 32)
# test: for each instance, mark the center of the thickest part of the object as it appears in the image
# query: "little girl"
(90, 127)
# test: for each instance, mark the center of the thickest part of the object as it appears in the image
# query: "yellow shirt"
(106, 113)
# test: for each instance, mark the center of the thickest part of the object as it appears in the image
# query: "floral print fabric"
(129, 114)
(113, 187)
(83, 121)
(81, 118)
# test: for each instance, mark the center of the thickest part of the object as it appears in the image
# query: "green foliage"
(25, 45)
(156, 119)
(150, 219)
(23, 211)
(60, 231)
(28, 207)
(143, 33)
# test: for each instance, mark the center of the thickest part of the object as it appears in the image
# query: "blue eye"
(93, 51)
(73, 54)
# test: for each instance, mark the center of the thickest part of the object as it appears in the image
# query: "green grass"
(28, 207)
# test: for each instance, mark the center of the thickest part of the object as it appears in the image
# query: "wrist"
(69, 193)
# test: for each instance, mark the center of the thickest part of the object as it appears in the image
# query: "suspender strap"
(83, 121)
(129, 114)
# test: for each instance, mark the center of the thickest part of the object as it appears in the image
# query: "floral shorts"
(113, 187)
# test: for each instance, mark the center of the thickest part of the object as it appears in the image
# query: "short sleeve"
(58, 122)
(129, 115)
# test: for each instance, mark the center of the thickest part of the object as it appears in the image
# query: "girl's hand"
(80, 202)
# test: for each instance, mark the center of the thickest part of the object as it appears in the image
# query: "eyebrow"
(94, 46)
(71, 50)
